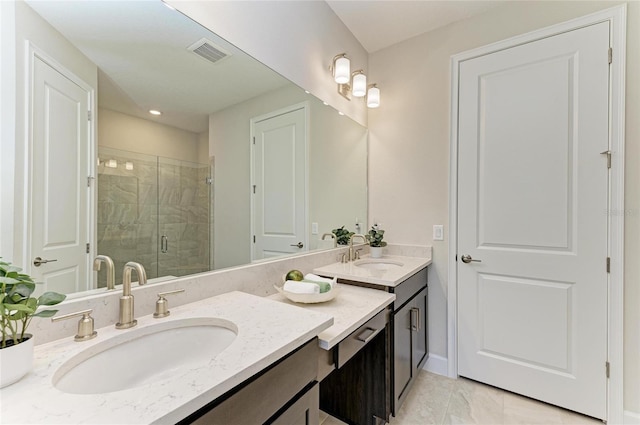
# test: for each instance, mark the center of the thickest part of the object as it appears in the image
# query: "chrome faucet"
(111, 278)
(335, 241)
(126, 300)
(352, 255)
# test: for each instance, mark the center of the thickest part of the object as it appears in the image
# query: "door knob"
(299, 245)
(39, 261)
(468, 259)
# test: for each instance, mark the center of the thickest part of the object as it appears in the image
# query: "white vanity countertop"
(351, 308)
(391, 277)
(267, 331)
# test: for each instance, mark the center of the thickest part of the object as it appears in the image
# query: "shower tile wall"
(156, 197)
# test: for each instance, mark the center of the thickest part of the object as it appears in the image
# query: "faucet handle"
(85, 324)
(162, 305)
(358, 253)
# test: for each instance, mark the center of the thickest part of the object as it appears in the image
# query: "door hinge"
(88, 115)
(608, 264)
(608, 153)
(89, 179)
(610, 55)
(208, 180)
(254, 189)
(254, 238)
(88, 248)
(254, 140)
(607, 367)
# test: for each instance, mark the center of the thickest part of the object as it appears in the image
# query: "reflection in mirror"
(240, 166)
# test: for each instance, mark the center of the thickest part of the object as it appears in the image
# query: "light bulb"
(342, 70)
(359, 85)
(373, 97)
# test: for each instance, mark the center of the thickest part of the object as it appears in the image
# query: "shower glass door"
(155, 211)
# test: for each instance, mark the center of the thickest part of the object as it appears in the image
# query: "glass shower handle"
(164, 244)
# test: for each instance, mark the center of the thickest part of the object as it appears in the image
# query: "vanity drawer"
(407, 289)
(349, 346)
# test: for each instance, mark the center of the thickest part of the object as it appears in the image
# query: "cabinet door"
(419, 333)
(305, 411)
(402, 367)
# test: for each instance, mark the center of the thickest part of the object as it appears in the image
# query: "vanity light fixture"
(154, 112)
(128, 165)
(353, 83)
(112, 163)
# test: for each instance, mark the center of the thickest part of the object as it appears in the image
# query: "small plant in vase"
(17, 308)
(376, 243)
(342, 235)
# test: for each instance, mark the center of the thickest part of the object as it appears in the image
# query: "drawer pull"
(415, 324)
(372, 335)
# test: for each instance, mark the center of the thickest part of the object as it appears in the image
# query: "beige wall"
(30, 26)
(409, 148)
(337, 193)
(126, 132)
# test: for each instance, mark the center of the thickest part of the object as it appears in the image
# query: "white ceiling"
(379, 24)
(140, 48)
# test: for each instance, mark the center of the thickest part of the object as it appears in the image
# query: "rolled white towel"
(301, 287)
(315, 278)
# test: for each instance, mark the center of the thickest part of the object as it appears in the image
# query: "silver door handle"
(415, 324)
(299, 245)
(39, 261)
(164, 244)
(468, 259)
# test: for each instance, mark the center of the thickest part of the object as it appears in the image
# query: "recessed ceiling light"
(154, 112)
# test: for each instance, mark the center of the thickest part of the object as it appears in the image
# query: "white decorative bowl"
(309, 298)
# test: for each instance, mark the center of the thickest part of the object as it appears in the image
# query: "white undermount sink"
(145, 355)
(377, 264)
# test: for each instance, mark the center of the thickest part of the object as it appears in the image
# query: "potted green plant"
(376, 243)
(17, 308)
(342, 235)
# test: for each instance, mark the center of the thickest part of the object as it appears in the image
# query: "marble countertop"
(351, 308)
(391, 277)
(267, 331)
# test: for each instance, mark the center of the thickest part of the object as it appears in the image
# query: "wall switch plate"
(314, 228)
(438, 232)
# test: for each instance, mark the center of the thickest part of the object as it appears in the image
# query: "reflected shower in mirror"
(237, 158)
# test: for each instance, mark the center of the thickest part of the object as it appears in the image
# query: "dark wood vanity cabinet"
(286, 393)
(410, 345)
(408, 333)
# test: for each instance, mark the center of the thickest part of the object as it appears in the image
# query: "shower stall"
(155, 211)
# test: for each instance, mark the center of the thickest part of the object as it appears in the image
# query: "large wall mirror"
(241, 165)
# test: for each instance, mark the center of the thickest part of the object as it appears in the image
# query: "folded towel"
(324, 286)
(315, 278)
(301, 287)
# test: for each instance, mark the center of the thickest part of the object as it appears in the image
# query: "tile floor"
(436, 399)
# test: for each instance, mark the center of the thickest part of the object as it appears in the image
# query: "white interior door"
(60, 168)
(532, 202)
(279, 179)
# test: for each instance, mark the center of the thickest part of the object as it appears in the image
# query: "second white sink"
(373, 264)
(144, 355)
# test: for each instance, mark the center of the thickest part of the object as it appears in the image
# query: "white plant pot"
(375, 251)
(16, 361)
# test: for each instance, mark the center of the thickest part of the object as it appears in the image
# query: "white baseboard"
(436, 364)
(631, 418)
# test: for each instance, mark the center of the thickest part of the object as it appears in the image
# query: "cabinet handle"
(373, 331)
(415, 324)
(164, 244)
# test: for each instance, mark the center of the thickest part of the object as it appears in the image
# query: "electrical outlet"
(314, 228)
(438, 232)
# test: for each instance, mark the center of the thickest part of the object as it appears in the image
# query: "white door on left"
(60, 201)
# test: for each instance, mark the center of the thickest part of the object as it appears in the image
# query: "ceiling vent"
(206, 49)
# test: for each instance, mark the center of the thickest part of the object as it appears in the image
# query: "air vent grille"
(206, 49)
